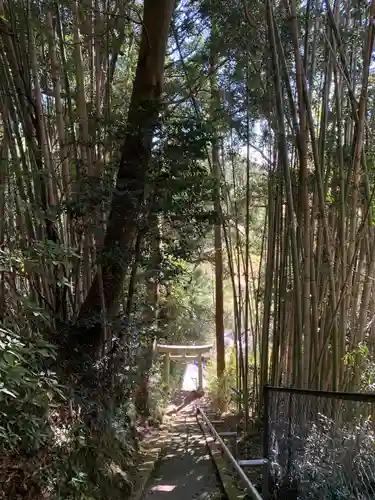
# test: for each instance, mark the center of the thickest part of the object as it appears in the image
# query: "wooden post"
(200, 372)
(166, 368)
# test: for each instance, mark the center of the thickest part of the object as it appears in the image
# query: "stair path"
(185, 470)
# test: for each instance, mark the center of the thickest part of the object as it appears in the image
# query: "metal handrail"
(248, 484)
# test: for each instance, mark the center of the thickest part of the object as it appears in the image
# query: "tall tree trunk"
(150, 317)
(128, 198)
(3, 177)
(219, 297)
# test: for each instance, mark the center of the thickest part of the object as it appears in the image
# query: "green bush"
(26, 392)
(159, 394)
(55, 443)
(221, 390)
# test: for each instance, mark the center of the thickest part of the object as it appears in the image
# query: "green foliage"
(187, 307)
(159, 394)
(184, 185)
(221, 390)
(26, 391)
(53, 440)
(360, 360)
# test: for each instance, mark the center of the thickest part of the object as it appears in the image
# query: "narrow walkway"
(185, 472)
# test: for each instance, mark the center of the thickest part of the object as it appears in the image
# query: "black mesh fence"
(321, 445)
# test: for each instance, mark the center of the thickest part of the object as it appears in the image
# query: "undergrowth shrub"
(56, 442)
(327, 460)
(338, 462)
(159, 393)
(220, 391)
(26, 392)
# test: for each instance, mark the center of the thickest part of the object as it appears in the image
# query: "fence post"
(266, 417)
(200, 371)
(266, 441)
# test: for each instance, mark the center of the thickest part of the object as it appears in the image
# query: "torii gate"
(188, 353)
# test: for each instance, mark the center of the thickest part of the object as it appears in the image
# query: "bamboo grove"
(320, 218)
(287, 89)
(307, 306)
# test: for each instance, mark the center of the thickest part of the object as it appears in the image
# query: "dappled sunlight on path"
(186, 471)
